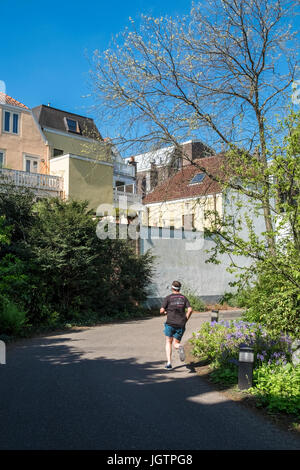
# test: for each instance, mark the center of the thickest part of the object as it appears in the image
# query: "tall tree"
(221, 73)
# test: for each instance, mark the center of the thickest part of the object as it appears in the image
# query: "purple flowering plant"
(219, 342)
(276, 380)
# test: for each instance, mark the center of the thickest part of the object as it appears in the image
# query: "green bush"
(12, 319)
(208, 340)
(86, 273)
(235, 299)
(225, 375)
(276, 381)
(275, 303)
(14, 280)
(55, 267)
(219, 342)
(278, 387)
(197, 304)
(4, 232)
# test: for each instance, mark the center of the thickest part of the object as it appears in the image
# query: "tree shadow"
(56, 394)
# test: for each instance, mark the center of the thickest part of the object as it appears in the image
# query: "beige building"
(23, 146)
(24, 151)
(187, 200)
(188, 213)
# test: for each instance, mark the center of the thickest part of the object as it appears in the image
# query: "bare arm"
(164, 306)
(188, 313)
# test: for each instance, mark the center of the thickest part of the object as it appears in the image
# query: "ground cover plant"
(276, 380)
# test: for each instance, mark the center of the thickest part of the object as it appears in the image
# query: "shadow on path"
(54, 396)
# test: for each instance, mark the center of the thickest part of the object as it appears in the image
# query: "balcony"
(124, 169)
(128, 192)
(42, 185)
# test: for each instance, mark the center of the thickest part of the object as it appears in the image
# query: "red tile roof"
(179, 187)
(9, 100)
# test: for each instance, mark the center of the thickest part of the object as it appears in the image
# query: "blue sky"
(46, 46)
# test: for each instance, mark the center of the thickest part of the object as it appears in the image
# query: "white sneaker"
(181, 353)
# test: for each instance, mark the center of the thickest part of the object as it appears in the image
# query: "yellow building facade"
(85, 179)
(189, 213)
(76, 145)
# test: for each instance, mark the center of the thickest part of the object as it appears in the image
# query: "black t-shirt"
(175, 305)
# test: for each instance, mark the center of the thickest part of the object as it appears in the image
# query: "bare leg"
(169, 348)
(179, 348)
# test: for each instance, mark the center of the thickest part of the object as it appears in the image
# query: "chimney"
(187, 150)
(132, 162)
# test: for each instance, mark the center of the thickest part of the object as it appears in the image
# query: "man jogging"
(174, 305)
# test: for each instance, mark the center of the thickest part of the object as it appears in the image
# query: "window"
(198, 178)
(120, 186)
(57, 152)
(11, 122)
(27, 165)
(188, 221)
(6, 121)
(129, 188)
(31, 164)
(72, 125)
(15, 123)
(2, 158)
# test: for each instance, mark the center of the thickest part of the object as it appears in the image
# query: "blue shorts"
(173, 332)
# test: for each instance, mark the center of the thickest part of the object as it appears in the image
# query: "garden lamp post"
(215, 315)
(246, 361)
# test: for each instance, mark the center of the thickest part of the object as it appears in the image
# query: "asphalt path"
(105, 387)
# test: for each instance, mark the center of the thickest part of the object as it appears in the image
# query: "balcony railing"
(132, 198)
(125, 169)
(35, 181)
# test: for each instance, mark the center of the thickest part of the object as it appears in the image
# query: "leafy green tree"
(222, 73)
(56, 269)
(79, 272)
(12, 316)
(219, 73)
(275, 276)
(4, 232)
